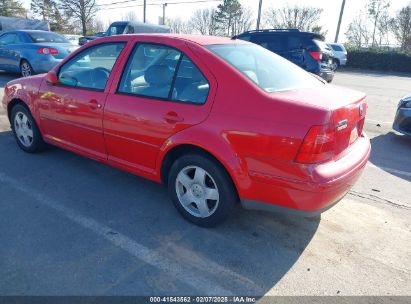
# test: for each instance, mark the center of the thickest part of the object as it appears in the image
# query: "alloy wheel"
(197, 191)
(25, 69)
(23, 129)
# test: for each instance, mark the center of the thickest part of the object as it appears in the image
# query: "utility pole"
(259, 14)
(164, 13)
(339, 21)
(145, 7)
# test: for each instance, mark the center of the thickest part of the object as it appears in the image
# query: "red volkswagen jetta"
(219, 121)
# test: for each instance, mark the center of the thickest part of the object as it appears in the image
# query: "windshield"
(40, 37)
(267, 70)
(116, 30)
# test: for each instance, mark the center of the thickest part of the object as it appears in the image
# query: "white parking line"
(394, 171)
(137, 250)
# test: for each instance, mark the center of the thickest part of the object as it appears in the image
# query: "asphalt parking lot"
(72, 226)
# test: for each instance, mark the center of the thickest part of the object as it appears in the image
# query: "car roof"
(286, 32)
(198, 39)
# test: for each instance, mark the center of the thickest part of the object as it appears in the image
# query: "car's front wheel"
(26, 68)
(25, 130)
(201, 190)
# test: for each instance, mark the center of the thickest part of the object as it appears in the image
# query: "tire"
(25, 130)
(336, 64)
(201, 190)
(26, 69)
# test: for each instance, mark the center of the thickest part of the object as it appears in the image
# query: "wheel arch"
(177, 150)
(14, 102)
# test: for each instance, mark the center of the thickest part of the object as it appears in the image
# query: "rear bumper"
(402, 121)
(330, 183)
(327, 75)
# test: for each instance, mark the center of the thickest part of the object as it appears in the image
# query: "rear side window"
(190, 84)
(267, 70)
(9, 39)
(274, 43)
(162, 72)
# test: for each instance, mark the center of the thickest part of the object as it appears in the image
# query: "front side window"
(267, 70)
(8, 39)
(158, 71)
(91, 68)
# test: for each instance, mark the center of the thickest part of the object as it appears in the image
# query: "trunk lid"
(64, 49)
(348, 109)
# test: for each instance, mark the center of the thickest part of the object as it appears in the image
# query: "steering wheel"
(98, 75)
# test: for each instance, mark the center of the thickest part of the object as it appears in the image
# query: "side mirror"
(51, 78)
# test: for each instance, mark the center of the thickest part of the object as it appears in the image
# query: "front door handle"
(93, 104)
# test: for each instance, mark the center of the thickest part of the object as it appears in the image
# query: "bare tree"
(358, 33)
(178, 26)
(204, 22)
(81, 10)
(304, 18)
(243, 22)
(376, 10)
(96, 25)
(401, 27)
(130, 16)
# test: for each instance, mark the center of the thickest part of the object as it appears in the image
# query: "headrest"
(159, 75)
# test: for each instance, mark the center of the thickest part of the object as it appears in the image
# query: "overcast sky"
(328, 21)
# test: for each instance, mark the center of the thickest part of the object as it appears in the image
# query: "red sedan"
(218, 121)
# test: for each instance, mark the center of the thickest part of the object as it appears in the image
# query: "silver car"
(31, 52)
(340, 53)
(402, 121)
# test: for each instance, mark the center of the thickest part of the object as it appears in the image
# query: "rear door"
(162, 90)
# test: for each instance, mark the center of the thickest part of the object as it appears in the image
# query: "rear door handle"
(93, 104)
(173, 117)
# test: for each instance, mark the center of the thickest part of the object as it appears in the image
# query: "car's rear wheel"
(201, 190)
(25, 130)
(26, 68)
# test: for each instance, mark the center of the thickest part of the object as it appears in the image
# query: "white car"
(73, 39)
(340, 53)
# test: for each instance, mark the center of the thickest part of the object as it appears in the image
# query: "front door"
(161, 92)
(71, 112)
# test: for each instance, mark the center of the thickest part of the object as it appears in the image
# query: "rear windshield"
(322, 45)
(267, 70)
(116, 30)
(40, 37)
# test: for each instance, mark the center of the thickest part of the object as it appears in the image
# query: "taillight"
(47, 51)
(318, 145)
(316, 55)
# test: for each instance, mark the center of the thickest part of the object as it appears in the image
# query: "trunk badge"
(343, 124)
(361, 109)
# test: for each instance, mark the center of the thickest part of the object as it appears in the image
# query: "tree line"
(371, 27)
(231, 18)
(374, 26)
(65, 16)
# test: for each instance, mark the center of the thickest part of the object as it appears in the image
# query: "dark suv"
(305, 49)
